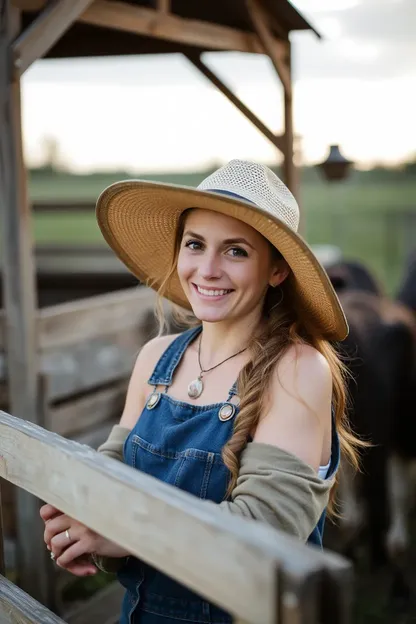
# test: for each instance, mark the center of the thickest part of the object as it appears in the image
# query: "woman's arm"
(278, 480)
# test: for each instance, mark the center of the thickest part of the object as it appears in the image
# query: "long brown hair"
(285, 323)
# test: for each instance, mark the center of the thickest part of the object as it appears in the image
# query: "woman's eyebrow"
(227, 241)
(231, 241)
(194, 235)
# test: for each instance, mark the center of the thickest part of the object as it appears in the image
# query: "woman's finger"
(48, 511)
(82, 567)
(62, 541)
(57, 525)
(72, 553)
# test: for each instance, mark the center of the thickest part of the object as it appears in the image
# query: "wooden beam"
(19, 296)
(277, 141)
(234, 564)
(17, 607)
(276, 49)
(150, 23)
(45, 30)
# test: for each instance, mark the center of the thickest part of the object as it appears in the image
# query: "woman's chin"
(209, 314)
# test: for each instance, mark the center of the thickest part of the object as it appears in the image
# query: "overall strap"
(169, 360)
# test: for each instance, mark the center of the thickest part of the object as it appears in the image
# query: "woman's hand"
(69, 540)
(79, 567)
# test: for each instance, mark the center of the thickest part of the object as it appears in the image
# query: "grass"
(371, 218)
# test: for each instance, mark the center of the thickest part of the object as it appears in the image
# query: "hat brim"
(139, 220)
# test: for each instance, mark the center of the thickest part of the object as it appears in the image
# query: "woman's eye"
(193, 245)
(237, 252)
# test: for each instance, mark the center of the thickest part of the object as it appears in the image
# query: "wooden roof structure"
(32, 29)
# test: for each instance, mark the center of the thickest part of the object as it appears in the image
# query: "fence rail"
(256, 573)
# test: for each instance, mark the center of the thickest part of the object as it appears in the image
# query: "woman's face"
(225, 266)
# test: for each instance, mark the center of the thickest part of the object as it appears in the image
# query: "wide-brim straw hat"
(139, 221)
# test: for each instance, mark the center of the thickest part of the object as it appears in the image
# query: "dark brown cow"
(381, 354)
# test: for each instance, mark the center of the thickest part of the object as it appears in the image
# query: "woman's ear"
(280, 273)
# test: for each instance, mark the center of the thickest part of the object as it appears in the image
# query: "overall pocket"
(196, 471)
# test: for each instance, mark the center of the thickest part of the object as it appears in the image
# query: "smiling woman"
(246, 409)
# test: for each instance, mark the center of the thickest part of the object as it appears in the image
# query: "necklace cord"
(207, 370)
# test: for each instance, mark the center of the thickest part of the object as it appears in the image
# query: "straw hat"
(139, 220)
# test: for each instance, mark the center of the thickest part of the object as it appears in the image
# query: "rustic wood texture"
(163, 6)
(279, 52)
(17, 607)
(79, 321)
(275, 48)
(47, 28)
(158, 25)
(80, 414)
(277, 141)
(163, 525)
(19, 301)
(289, 169)
(103, 608)
(300, 598)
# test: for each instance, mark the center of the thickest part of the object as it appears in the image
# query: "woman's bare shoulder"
(138, 389)
(150, 354)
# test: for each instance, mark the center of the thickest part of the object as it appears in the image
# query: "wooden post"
(288, 164)
(19, 296)
(279, 51)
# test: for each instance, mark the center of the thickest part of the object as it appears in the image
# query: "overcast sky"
(356, 87)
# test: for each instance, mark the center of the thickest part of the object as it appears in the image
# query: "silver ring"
(52, 556)
(67, 535)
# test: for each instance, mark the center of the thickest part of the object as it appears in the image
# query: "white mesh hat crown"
(139, 221)
(257, 184)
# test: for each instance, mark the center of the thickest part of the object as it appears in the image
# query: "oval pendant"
(226, 411)
(153, 400)
(195, 388)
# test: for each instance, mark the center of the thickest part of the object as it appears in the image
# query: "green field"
(371, 217)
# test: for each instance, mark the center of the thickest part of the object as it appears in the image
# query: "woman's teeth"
(212, 293)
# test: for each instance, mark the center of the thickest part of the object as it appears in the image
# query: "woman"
(247, 408)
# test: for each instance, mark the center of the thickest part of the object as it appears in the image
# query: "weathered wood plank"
(79, 321)
(17, 607)
(88, 365)
(160, 524)
(103, 608)
(48, 27)
(80, 414)
(150, 23)
(300, 598)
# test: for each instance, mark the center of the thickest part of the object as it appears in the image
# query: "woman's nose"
(210, 267)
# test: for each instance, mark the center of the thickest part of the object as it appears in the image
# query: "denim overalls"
(180, 444)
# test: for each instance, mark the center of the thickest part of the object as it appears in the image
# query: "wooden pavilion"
(32, 29)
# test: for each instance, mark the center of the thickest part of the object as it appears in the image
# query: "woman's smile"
(210, 293)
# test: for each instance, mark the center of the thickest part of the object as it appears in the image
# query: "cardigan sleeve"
(278, 488)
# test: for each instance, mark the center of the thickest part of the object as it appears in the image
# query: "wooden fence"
(256, 573)
(86, 352)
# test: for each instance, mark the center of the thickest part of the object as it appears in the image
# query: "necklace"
(196, 387)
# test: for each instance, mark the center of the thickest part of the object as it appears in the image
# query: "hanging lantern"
(336, 166)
